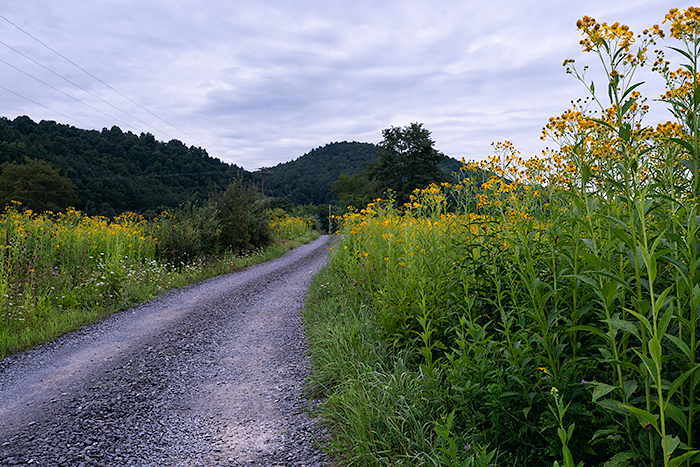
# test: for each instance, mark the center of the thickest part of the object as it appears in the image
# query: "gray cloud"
(258, 83)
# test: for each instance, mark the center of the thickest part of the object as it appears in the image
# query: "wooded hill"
(114, 171)
(310, 178)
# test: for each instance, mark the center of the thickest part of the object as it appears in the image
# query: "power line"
(111, 88)
(47, 108)
(64, 93)
(82, 88)
(101, 81)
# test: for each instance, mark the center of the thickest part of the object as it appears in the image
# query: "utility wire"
(47, 108)
(65, 93)
(82, 88)
(101, 81)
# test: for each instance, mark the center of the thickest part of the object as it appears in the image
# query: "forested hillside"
(114, 171)
(110, 171)
(310, 178)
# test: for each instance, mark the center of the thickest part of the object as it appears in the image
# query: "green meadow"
(62, 271)
(547, 316)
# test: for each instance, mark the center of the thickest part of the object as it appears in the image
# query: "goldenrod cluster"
(573, 218)
(600, 35)
(290, 227)
(670, 130)
(681, 84)
(685, 23)
(429, 200)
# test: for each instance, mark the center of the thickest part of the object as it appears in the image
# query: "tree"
(242, 217)
(407, 161)
(37, 185)
(355, 190)
(310, 178)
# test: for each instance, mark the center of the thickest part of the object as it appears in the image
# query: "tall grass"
(552, 317)
(290, 227)
(61, 271)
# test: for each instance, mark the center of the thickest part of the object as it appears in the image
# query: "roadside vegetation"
(547, 316)
(60, 271)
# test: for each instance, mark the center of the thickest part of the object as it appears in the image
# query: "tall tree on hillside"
(407, 161)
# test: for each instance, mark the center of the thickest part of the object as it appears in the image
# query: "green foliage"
(355, 190)
(553, 316)
(242, 217)
(369, 390)
(187, 233)
(407, 161)
(310, 178)
(62, 271)
(114, 171)
(378, 402)
(288, 227)
(319, 215)
(37, 186)
(231, 220)
(331, 174)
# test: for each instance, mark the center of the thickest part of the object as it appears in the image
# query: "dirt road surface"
(207, 375)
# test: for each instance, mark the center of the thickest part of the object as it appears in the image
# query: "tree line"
(52, 166)
(103, 172)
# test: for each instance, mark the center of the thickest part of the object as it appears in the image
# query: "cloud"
(258, 83)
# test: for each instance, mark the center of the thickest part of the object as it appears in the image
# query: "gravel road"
(207, 375)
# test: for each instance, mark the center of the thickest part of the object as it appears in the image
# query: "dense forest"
(310, 178)
(111, 171)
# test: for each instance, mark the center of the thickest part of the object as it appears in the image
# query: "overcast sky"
(261, 82)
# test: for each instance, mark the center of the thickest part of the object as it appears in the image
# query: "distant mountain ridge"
(115, 171)
(309, 178)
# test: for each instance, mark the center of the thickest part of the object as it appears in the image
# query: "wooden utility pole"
(262, 172)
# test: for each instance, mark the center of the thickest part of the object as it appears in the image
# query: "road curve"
(206, 375)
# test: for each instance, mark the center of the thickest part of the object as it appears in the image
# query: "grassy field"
(61, 271)
(548, 316)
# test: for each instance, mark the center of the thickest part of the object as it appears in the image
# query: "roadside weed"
(547, 309)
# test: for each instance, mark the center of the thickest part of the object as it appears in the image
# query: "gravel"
(208, 375)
